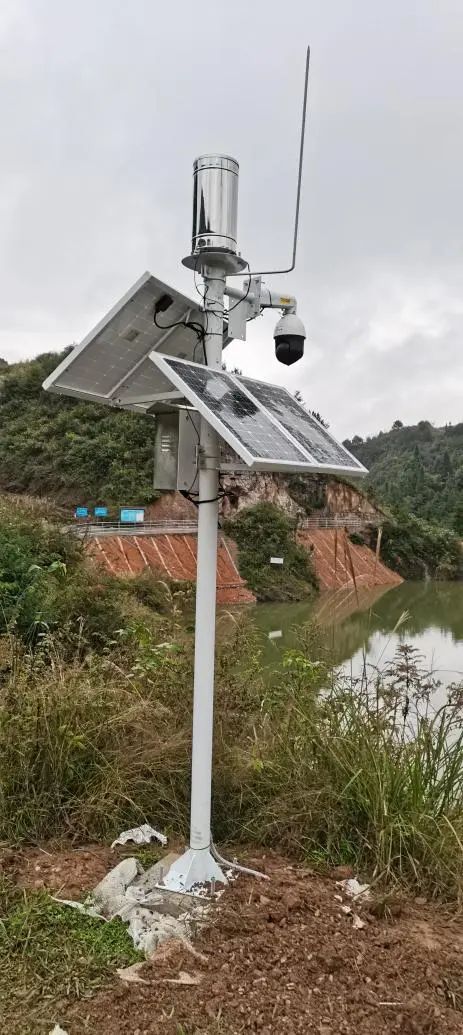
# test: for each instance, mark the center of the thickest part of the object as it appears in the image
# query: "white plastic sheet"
(142, 835)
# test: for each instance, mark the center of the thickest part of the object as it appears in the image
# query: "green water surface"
(430, 617)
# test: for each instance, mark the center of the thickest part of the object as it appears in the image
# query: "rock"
(342, 873)
(291, 900)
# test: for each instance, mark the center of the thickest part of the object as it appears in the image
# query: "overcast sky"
(103, 106)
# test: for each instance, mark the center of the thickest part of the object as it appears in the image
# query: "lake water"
(365, 627)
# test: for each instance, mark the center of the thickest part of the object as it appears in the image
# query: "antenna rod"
(268, 273)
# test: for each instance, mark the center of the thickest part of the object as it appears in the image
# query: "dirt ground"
(279, 956)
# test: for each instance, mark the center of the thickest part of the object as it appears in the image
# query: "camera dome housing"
(289, 335)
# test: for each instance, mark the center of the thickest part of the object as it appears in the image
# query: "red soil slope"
(173, 556)
(332, 554)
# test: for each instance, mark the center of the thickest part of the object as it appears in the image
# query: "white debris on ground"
(142, 835)
(358, 893)
(152, 913)
(131, 975)
(148, 929)
(58, 1031)
(353, 889)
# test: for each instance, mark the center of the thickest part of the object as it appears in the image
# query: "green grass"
(51, 953)
(344, 777)
(148, 855)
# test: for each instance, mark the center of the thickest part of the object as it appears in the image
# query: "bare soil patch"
(282, 956)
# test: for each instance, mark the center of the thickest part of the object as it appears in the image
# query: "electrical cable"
(187, 493)
(191, 325)
(234, 865)
(196, 327)
(243, 299)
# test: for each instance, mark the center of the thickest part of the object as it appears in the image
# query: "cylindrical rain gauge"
(215, 204)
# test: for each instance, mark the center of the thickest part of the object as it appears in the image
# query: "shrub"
(266, 531)
(357, 539)
(48, 585)
(417, 549)
(75, 450)
(347, 776)
(34, 553)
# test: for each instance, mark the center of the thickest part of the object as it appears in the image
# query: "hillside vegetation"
(418, 469)
(72, 451)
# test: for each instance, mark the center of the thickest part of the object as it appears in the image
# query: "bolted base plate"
(195, 867)
(229, 261)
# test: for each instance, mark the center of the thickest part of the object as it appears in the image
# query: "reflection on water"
(364, 625)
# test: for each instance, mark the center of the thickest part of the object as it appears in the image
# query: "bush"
(48, 585)
(418, 550)
(266, 531)
(363, 774)
(357, 539)
(160, 595)
(34, 554)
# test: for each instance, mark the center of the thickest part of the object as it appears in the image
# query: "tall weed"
(311, 762)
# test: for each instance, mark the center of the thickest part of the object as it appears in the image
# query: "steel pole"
(197, 866)
(214, 284)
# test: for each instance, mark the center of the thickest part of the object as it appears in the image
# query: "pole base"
(195, 867)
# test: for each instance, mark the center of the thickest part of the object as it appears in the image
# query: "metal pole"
(197, 865)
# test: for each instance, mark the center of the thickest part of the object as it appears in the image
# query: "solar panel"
(303, 427)
(238, 418)
(257, 434)
(111, 364)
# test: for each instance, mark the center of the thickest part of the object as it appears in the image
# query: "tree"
(318, 416)
(357, 441)
(396, 425)
(314, 413)
(446, 468)
(234, 370)
(458, 518)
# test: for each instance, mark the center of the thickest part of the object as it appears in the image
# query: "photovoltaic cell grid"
(272, 429)
(243, 417)
(302, 426)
